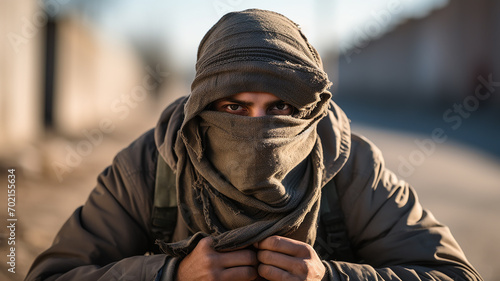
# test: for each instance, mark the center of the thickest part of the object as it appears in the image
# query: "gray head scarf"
(241, 179)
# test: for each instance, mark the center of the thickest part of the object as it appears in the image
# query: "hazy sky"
(179, 25)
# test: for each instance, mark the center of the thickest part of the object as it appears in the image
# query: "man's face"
(253, 105)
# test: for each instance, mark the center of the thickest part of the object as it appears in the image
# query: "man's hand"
(283, 258)
(204, 263)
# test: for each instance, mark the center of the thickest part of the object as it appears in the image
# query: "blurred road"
(460, 184)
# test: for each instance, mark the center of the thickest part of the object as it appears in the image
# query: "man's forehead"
(252, 97)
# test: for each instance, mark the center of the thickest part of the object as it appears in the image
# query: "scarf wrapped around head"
(241, 179)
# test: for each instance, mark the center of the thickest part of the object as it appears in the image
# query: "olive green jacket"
(110, 237)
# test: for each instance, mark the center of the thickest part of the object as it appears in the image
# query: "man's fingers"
(285, 262)
(205, 243)
(285, 245)
(239, 273)
(272, 273)
(238, 258)
(221, 260)
(287, 259)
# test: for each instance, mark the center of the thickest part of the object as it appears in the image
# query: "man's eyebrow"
(276, 102)
(247, 103)
(240, 102)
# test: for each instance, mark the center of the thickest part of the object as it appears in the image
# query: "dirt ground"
(461, 187)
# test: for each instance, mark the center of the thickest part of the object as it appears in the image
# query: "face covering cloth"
(241, 179)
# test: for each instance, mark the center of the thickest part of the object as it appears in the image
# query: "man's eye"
(282, 106)
(233, 107)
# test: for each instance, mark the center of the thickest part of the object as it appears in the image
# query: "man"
(254, 148)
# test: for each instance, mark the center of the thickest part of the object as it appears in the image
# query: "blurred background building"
(79, 80)
(436, 58)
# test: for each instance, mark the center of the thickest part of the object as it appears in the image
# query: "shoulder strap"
(164, 215)
(337, 244)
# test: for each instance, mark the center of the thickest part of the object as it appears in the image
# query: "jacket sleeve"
(390, 231)
(108, 237)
